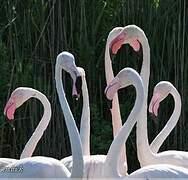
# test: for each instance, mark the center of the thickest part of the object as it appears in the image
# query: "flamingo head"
(161, 91)
(17, 98)
(122, 80)
(67, 62)
(128, 35)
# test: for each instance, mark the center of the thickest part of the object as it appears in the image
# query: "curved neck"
(141, 130)
(110, 168)
(116, 116)
(76, 147)
(36, 136)
(85, 120)
(115, 111)
(158, 141)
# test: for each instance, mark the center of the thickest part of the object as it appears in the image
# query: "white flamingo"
(29, 147)
(161, 91)
(85, 118)
(45, 166)
(124, 78)
(92, 163)
(134, 35)
(115, 111)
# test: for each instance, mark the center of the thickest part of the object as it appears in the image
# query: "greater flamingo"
(29, 147)
(14, 102)
(67, 62)
(161, 91)
(92, 163)
(44, 166)
(124, 78)
(134, 36)
(115, 111)
(85, 118)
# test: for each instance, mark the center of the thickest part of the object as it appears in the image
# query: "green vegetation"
(32, 33)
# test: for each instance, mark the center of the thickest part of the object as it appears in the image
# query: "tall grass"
(32, 33)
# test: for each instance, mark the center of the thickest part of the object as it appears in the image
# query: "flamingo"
(29, 147)
(161, 91)
(85, 118)
(124, 78)
(14, 102)
(115, 111)
(92, 163)
(45, 166)
(135, 36)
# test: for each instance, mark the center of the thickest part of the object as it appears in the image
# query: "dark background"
(32, 33)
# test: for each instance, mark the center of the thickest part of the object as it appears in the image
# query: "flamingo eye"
(10, 103)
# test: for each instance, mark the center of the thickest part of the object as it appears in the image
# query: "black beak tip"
(152, 115)
(75, 97)
(11, 123)
(79, 84)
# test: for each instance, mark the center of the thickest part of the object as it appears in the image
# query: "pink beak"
(116, 43)
(154, 104)
(111, 89)
(9, 109)
(135, 45)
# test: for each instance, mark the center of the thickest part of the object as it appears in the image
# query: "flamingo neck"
(36, 136)
(115, 111)
(158, 141)
(85, 120)
(76, 147)
(143, 149)
(110, 168)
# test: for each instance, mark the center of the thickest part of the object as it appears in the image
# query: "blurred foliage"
(32, 33)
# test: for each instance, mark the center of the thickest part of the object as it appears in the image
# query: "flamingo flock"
(168, 164)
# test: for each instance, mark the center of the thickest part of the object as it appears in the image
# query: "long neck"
(76, 147)
(115, 111)
(36, 136)
(158, 141)
(85, 120)
(142, 136)
(110, 168)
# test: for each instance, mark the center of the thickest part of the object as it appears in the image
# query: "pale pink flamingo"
(115, 111)
(85, 118)
(92, 163)
(124, 78)
(161, 91)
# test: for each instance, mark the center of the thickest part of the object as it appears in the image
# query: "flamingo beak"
(154, 104)
(9, 109)
(116, 44)
(110, 90)
(77, 88)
